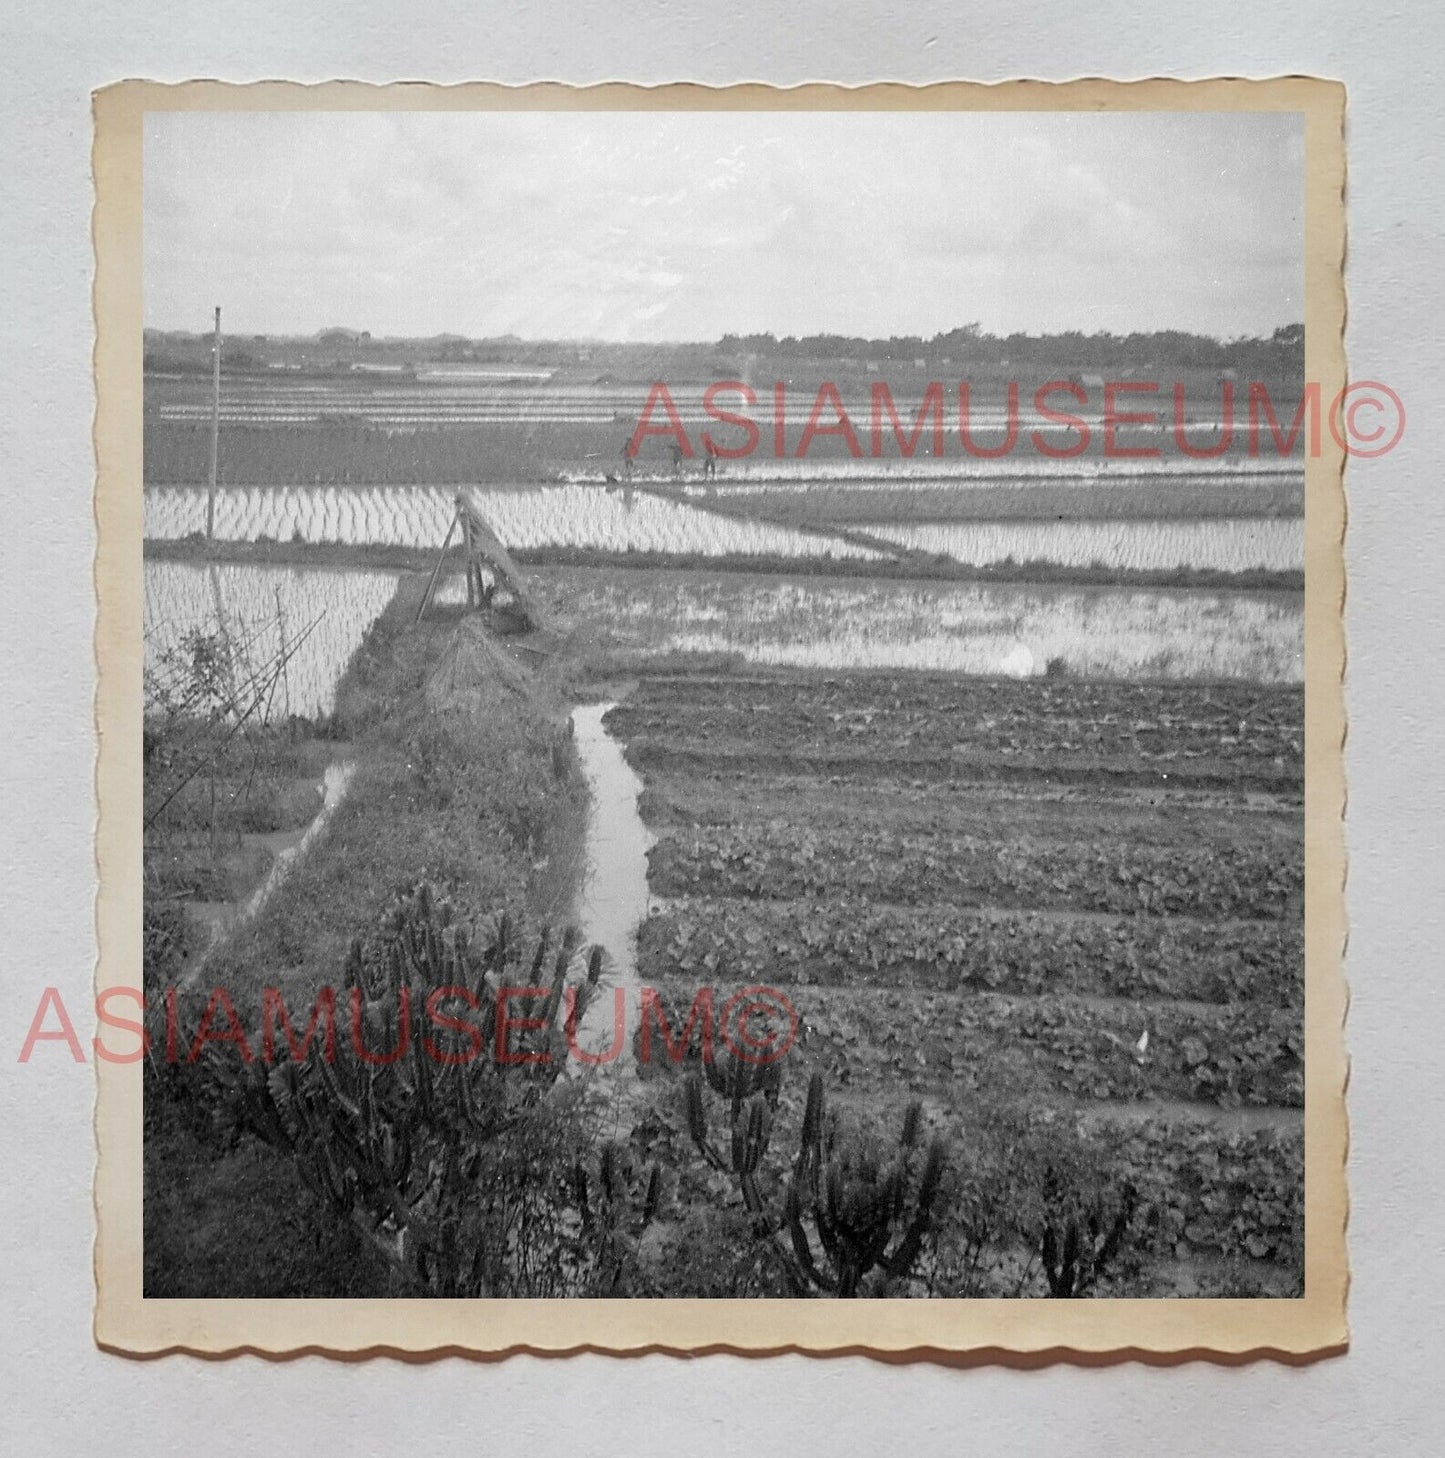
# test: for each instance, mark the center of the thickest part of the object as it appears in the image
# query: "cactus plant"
(867, 1207)
(400, 1142)
(1083, 1231)
(616, 1210)
(751, 1091)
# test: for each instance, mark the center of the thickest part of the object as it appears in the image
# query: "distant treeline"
(1282, 354)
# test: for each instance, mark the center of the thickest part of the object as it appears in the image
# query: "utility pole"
(215, 429)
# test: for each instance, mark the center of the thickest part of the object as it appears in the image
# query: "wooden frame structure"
(482, 549)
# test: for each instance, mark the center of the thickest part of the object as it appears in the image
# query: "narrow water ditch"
(612, 902)
(334, 783)
(287, 849)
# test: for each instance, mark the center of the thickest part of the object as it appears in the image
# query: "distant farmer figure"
(676, 459)
(627, 454)
(709, 465)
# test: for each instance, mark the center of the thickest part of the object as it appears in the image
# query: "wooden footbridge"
(485, 557)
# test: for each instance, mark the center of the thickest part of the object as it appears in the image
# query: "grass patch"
(465, 789)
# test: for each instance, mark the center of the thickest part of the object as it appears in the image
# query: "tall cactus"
(1082, 1230)
(397, 1144)
(870, 1207)
(616, 1211)
(751, 1091)
(867, 1209)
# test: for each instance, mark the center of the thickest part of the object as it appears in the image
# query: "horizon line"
(713, 343)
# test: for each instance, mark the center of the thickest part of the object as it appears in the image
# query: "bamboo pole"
(229, 648)
(215, 429)
(472, 573)
(436, 571)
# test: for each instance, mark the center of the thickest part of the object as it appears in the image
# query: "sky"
(686, 226)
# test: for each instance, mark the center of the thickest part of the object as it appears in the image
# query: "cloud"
(639, 225)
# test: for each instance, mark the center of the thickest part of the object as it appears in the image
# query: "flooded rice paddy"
(523, 517)
(620, 519)
(980, 628)
(1238, 545)
(315, 616)
(1017, 631)
(765, 472)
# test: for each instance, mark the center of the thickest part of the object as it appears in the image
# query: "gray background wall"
(63, 1396)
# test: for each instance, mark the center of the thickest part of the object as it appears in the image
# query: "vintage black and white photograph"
(723, 703)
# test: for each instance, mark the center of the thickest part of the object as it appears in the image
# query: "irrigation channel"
(334, 783)
(612, 901)
(287, 848)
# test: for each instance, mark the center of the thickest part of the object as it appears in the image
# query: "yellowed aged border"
(961, 1331)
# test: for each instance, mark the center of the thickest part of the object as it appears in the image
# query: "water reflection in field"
(612, 902)
(1231, 545)
(314, 617)
(612, 520)
(969, 628)
(765, 619)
